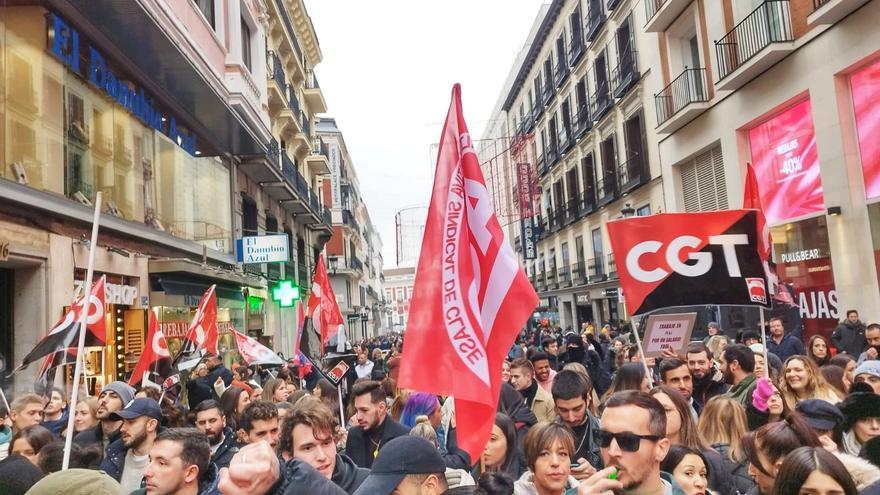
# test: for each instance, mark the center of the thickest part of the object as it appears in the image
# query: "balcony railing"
(612, 267)
(579, 273)
(576, 50)
(563, 275)
(601, 102)
(312, 80)
(588, 202)
(632, 174)
(607, 187)
(348, 219)
(548, 93)
(767, 24)
(626, 74)
(292, 102)
(552, 281)
(538, 109)
(594, 23)
(612, 4)
(275, 69)
(542, 165)
(552, 155)
(561, 71)
(565, 140)
(327, 217)
(356, 263)
(817, 4)
(582, 121)
(652, 6)
(597, 268)
(572, 207)
(689, 87)
(306, 124)
(288, 26)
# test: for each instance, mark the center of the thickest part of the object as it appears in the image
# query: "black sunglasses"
(627, 441)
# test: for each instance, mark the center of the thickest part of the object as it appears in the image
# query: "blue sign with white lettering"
(262, 249)
(64, 43)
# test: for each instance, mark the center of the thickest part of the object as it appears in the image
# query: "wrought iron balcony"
(662, 13)
(607, 187)
(542, 165)
(632, 174)
(356, 263)
(563, 276)
(768, 24)
(561, 71)
(565, 140)
(552, 155)
(612, 267)
(288, 26)
(275, 69)
(612, 4)
(596, 267)
(572, 209)
(594, 22)
(306, 124)
(588, 201)
(576, 50)
(579, 273)
(626, 74)
(601, 102)
(582, 121)
(689, 87)
(548, 93)
(292, 102)
(552, 281)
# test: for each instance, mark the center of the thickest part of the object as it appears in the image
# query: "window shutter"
(703, 184)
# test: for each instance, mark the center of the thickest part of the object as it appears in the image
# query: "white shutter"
(702, 182)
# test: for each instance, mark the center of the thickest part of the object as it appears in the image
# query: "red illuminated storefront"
(786, 162)
(865, 87)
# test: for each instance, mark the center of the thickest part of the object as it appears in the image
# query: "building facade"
(791, 87)
(354, 251)
(578, 114)
(169, 110)
(398, 293)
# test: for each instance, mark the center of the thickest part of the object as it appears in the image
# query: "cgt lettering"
(702, 262)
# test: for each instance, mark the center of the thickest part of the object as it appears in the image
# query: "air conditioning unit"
(20, 172)
(79, 196)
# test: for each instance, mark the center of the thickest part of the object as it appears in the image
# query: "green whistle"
(613, 476)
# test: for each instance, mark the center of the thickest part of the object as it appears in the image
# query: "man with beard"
(634, 443)
(849, 336)
(577, 352)
(784, 344)
(113, 397)
(699, 361)
(375, 427)
(543, 371)
(180, 464)
(738, 366)
(308, 435)
(571, 397)
(259, 422)
(210, 421)
(872, 338)
(127, 458)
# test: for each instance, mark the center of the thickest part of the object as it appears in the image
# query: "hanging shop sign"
(787, 164)
(86, 61)
(263, 249)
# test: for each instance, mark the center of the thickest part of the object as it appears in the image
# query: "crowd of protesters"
(578, 413)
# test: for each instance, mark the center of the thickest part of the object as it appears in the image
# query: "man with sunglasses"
(632, 436)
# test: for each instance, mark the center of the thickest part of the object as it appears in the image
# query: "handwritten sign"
(668, 332)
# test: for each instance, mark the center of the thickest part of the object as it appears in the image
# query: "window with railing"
(769, 23)
(689, 87)
(595, 18)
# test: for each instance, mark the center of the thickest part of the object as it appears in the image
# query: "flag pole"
(642, 350)
(84, 314)
(342, 420)
(764, 337)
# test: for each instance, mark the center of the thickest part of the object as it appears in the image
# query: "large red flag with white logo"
(323, 310)
(203, 332)
(154, 357)
(254, 352)
(64, 334)
(684, 259)
(470, 298)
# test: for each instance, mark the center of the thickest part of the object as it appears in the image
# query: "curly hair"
(309, 411)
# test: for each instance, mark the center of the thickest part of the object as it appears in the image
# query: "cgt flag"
(684, 259)
(471, 297)
(64, 334)
(154, 358)
(323, 310)
(253, 352)
(202, 332)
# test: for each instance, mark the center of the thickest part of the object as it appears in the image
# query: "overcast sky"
(387, 76)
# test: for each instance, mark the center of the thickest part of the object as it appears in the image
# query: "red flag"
(323, 309)
(471, 297)
(752, 200)
(155, 350)
(65, 332)
(203, 333)
(254, 352)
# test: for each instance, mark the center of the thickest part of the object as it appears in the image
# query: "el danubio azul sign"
(262, 249)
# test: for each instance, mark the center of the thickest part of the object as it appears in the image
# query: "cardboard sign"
(335, 375)
(672, 332)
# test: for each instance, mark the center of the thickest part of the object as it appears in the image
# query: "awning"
(130, 36)
(180, 286)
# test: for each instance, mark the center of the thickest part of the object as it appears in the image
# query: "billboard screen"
(865, 85)
(787, 164)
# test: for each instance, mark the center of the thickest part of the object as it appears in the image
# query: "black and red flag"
(686, 259)
(155, 358)
(64, 334)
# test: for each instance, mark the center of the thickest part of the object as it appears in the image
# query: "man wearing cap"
(409, 466)
(113, 397)
(869, 372)
(127, 458)
(823, 417)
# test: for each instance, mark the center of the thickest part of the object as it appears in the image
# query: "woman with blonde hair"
(802, 380)
(716, 345)
(723, 424)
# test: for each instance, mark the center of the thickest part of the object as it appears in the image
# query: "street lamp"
(334, 262)
(365, 312)
(627, 211)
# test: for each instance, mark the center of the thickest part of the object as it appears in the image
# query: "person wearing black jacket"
(699, 360)
(202, 389)
(208, 418)
(375, 427)
(571, 397)
(576, 352)
(112, 398)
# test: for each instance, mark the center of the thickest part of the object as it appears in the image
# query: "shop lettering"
(4, 251)
(115, 293)
(804, 255)
(786, 147)
(64, 44)
(703, 264)
(819, 304)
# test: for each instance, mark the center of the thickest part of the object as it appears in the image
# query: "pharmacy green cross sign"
(285, 293)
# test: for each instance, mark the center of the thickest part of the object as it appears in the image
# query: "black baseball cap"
(143, 406)
(399, 458)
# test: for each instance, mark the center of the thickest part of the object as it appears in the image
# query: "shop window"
(702, 182)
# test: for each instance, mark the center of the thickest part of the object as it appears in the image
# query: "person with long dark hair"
(500, 454)
(630, 376)
(688, 468)
(818, 351)
(769, 444)
(813, 470)
(233, 402)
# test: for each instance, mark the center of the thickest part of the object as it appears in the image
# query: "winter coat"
(223, 456)
(742, 391)
(58, 425)
(787, 347)
(707, 388)
(849, 338)
(863, 473)
(525, 485)
(719, 477)
(455, 458)
(740, 481)
(510, 402)
(347, 475)
(114, 459)
(297, 477)
(358, 440)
